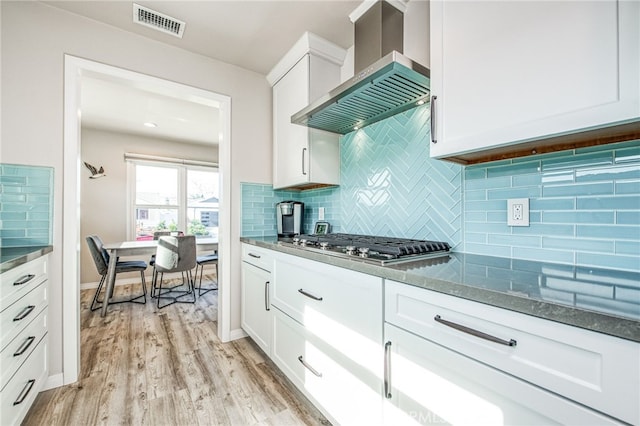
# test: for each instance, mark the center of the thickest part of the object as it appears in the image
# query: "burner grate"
(386, 245)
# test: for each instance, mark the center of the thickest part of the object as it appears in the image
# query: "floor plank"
(144, 366)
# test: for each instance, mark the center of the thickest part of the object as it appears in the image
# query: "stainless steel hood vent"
(390, 85)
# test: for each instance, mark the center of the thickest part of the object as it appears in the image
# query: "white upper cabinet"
(512, 72)
(304, 157)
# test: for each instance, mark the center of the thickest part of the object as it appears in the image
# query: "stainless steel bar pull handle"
(23, 314)
(434, 137)
(309, 295)
(25, 391)
(24, 346)
(254, 255)
(308, 367)
(480, 334)
(387, 370)
(24, 279)
(303, 151)
(267, 303)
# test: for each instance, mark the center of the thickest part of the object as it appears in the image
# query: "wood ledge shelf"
(603, 136)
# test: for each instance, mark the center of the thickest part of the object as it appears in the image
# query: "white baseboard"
(236, 334)
(127, 281)
(119, 281)
(54, 381)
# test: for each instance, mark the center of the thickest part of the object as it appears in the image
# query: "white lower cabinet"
(370, 351)
(327, 337)
(532, 363)
(23, 338)
(255, 305)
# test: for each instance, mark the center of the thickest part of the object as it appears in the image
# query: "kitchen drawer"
(340, 306)
(591, 368)
(430, 384)
(17, 316)
(20, 280)
(346, 392)
(21, 391)
(257, 256)
(19, 349)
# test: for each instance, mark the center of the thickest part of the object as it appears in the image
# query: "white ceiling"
(119, 107)
(251, 34)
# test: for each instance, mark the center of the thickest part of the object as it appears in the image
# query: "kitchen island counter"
(11, 257)
(601, 300)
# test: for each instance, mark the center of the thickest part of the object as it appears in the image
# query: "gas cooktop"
(372, 249)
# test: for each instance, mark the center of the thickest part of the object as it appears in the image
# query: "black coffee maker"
(289, 218)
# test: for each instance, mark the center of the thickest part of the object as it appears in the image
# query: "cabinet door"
(506, 72)
(430, 384)
(256, 315)
(291, 149)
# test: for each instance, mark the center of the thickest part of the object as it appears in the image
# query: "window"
(173, 197)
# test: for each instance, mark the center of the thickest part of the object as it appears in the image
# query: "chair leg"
(175, 299)
(207, 289)
(154, 283)
(144, 291)
(95, 296)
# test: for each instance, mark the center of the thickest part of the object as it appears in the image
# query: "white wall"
(103, 202)
(35, 37)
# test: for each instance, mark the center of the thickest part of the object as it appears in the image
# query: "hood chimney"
(378, 31)
(385, 83)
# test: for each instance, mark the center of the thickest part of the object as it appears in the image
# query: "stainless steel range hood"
(388, 84)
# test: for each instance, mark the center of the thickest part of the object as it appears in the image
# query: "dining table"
(138, 248)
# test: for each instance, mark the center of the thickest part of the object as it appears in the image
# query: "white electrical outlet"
(518, 212)
(320, 213)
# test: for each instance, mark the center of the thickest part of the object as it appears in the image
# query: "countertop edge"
(37, 252)
(611, 325)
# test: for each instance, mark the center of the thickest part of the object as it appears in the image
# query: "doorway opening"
(75, 70)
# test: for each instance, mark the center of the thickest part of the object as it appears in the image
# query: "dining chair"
(209, 259)
(101, 259)
(175, 254)
(156, 235)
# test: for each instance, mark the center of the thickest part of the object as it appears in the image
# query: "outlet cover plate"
(518, 212)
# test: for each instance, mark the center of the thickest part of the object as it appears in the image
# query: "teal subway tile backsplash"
(573, 189)
(588, 206)
(259, 212)
(389, 186)
(579, 217)
(585, 245)
(584, 204)
(26, 205)
(628, 248)
(578, 160)
(628, 218)
(628, 155)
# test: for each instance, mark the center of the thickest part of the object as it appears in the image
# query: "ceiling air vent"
(158, 21)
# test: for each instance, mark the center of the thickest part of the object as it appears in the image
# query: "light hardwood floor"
(143, 366)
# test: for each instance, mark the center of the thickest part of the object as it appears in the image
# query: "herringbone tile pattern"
(391, 187)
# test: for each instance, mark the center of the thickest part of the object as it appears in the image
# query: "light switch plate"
(518, 212)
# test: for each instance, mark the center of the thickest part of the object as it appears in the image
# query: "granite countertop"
(11, 257)
(601, 300)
